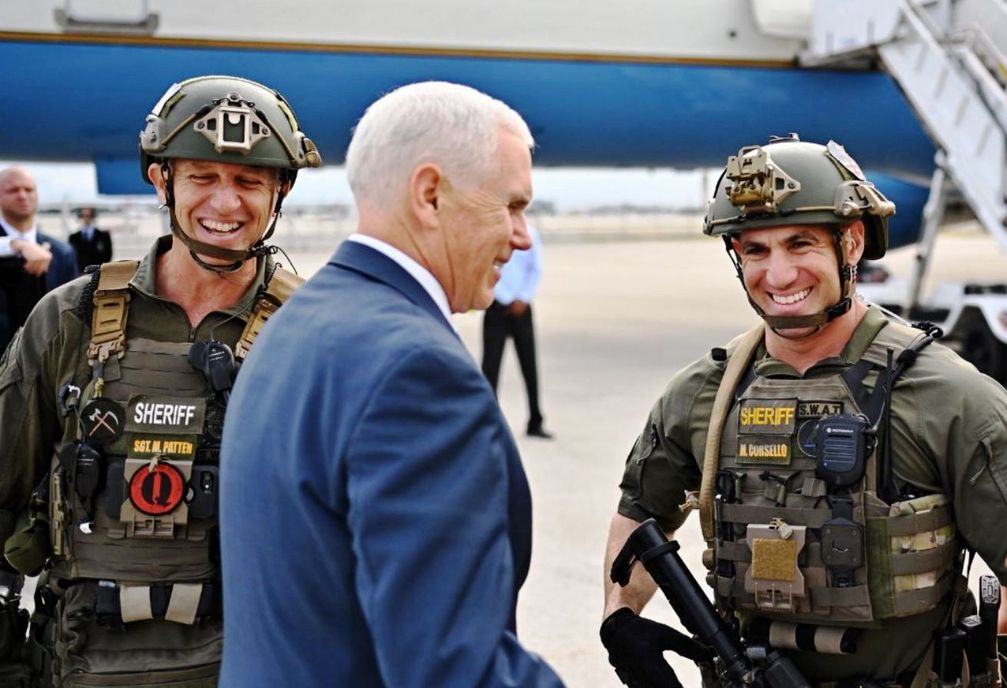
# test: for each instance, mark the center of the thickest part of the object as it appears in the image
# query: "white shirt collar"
(31, 235)
(418, 272)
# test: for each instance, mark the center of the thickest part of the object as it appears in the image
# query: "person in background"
(93, 245)
(31, 263)
(510, 316)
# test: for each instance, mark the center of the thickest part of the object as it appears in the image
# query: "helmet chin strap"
(847, 279)
(197, 248)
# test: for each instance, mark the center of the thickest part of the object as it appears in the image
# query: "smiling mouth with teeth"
(220, 227)
(791, 298)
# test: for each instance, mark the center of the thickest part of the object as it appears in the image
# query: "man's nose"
(781, 271)
(521, 239)
(226, 198)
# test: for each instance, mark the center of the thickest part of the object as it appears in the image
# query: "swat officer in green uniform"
(112, 400)
(841, 461)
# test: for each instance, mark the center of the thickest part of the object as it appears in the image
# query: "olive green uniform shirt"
(948, 435)
(51, 350)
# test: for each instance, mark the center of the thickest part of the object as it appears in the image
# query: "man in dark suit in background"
(31, 263)
(93, 245)
(363, 448)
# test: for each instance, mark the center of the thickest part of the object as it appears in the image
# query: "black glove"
(14, 672)
(635, 649)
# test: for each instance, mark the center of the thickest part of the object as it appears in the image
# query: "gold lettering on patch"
(766, 415)
(756, 449)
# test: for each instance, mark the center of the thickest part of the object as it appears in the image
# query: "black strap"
(109, 613)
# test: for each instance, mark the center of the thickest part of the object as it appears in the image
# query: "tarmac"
(614, 321)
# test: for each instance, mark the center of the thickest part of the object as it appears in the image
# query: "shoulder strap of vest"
(280, 286)
(108, 319)
(895, 336)
(741, 351)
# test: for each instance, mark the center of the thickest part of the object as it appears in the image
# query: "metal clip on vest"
(737, 665)
(842, 543)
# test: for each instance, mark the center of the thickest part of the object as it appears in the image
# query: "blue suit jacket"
(375, 517)
(63, 267)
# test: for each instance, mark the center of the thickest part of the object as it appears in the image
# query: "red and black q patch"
(157, 490)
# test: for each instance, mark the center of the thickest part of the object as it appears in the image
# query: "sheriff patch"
(762, 450)
(767, 417)
(163, 415)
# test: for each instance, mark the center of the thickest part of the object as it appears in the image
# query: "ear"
(853, 238)
(156, 178)
(426, 187)
(736, 245)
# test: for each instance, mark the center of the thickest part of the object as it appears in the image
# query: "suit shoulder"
(65, 297)
(350, 317)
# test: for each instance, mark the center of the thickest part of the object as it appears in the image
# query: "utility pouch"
(114, 488)
(27, 549)
(949, 648)
(203, 491)
(917, 569)
(774, 577)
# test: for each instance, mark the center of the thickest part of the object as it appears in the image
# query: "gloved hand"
(14, 673)
(635, 649)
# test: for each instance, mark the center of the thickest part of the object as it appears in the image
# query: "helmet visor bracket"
(757, 184)
(233, 128)
(854, 198)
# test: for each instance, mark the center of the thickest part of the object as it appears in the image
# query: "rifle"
(737, 666)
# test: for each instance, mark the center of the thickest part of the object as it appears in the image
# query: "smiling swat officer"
(112, 402)
(846, 461)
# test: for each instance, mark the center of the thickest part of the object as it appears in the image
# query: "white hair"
(453, 126)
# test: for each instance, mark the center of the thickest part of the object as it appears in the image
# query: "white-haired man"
(365, 453)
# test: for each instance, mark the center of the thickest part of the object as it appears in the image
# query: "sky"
(569, 189)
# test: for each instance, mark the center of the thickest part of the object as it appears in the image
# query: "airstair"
(949, 57)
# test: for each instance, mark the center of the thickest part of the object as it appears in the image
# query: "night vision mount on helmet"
(225, 119)
(791, 182)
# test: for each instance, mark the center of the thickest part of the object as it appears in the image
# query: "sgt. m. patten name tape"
(143, 446)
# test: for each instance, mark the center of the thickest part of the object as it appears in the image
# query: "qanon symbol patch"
(156, 490)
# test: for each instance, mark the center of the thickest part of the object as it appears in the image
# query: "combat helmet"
(793, 182)
(225, 119)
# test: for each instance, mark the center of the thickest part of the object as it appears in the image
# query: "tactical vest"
(133, 502)
(794, 546)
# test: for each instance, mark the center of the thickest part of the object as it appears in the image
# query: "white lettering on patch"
(163, 414)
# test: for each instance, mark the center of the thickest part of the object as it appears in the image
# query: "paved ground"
(614, 321)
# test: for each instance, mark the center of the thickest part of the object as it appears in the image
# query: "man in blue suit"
(376, 515)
